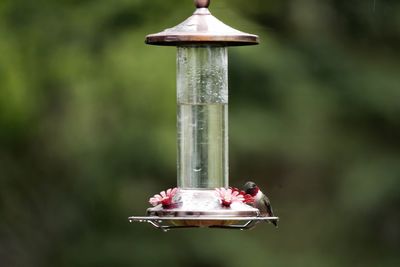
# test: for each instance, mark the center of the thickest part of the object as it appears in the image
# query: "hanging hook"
(202, 3)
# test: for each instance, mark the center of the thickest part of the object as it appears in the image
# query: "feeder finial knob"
(202, 3)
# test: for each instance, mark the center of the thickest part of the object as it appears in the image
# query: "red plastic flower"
(248, 199)
(165, 198)
(228, 196)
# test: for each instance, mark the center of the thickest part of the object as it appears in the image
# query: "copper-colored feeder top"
(202, 28)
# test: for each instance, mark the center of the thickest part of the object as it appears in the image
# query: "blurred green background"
(87, 133)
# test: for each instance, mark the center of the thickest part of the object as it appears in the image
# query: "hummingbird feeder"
(202, 197)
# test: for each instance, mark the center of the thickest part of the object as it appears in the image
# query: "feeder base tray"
(202, 208)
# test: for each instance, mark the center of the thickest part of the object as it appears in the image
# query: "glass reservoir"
(202, 119)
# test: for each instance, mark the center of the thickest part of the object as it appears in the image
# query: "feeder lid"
(202, 28)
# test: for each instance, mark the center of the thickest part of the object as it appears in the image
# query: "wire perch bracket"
(234, 222)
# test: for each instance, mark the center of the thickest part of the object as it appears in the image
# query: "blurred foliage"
(87, 133)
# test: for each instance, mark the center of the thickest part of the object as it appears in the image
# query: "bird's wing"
(267, 204)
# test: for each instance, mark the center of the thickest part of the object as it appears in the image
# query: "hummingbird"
(261, 201)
